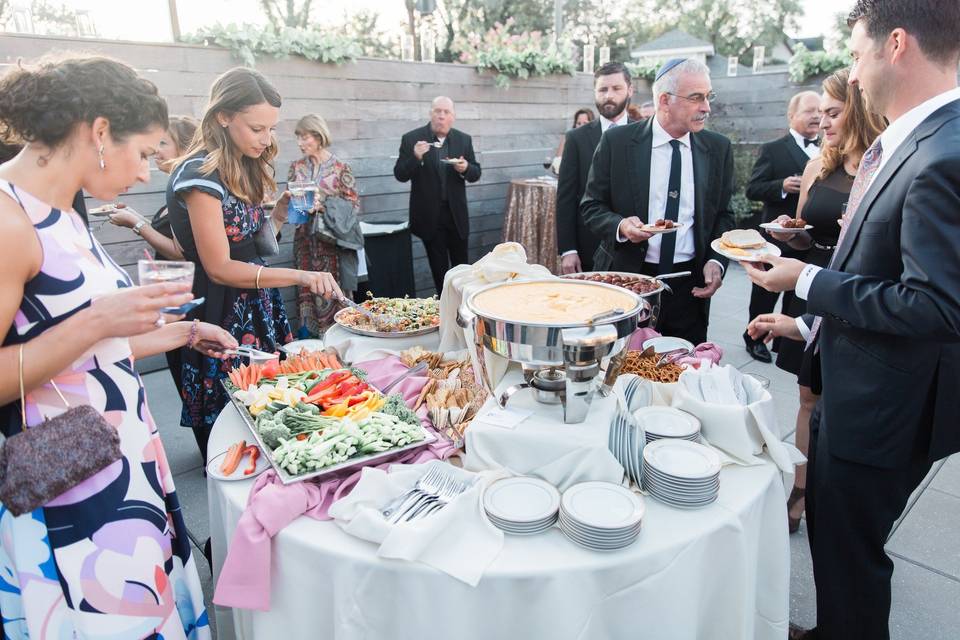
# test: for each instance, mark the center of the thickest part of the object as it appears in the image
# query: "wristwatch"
(138, 226)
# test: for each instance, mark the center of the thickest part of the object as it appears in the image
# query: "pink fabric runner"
(245, 576)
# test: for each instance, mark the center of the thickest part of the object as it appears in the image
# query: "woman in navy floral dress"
(214, 199)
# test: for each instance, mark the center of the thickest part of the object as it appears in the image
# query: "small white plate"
(682, 459)
(667, 422)
(521, 500)
(213, 467)
(649, 228)
(602, 505)
(102, 210)
(750, 255)
(776, 228)
(295, 347)
(663, 344)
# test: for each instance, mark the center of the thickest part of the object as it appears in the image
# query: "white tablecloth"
(722, 572)
(357, 348)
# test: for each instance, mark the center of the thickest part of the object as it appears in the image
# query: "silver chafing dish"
(653, 296)
(562, 363)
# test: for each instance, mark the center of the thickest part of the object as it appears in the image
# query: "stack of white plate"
(601, 515)
(681, 473)
(624, 438)
(522, 506)
(667, 422)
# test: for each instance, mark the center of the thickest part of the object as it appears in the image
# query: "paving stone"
(947, 478)
(928, 534)
(803, 595)
(924, 603)
(164, 402)
(192, 491)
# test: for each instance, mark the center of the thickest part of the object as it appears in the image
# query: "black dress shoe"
(757, 350)
(799, 633)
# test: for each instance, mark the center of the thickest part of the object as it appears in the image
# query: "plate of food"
(744, 245)
(662, 226)
(794, 225)
(105, 209)
(240, 462)
(392, 317)
(308, 345)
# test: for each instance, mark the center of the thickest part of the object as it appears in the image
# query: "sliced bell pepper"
(331, 380)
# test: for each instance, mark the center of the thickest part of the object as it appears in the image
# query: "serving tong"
(432, 492)
(246, 351)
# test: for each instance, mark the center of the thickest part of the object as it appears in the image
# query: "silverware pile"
(431, 493)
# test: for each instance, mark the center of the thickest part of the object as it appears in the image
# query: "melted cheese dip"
(561, 302)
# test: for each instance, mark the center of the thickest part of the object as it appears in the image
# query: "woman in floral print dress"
(110, 557)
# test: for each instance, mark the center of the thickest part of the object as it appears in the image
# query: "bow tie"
(815, 142)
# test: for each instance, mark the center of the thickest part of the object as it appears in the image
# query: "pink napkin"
(244, 580)
(704, 351)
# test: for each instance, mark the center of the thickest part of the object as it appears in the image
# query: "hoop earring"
(100, 154)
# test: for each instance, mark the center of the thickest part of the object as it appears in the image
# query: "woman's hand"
(212, 340)
(768, 326)
(280, 211)
(126, 217)
(320, 283)
(133, 311)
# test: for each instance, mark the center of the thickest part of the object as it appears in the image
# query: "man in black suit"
(666, 168)
(776, 182)
(888, 333)
(612, 89)
(440, 161)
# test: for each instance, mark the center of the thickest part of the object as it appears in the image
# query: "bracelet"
(192, 338)
(257, 281)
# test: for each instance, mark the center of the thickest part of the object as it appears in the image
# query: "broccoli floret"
(272, 431)
(395, 406)
(360, 373)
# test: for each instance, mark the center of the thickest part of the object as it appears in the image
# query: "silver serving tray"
(382, 334)
(352, 463)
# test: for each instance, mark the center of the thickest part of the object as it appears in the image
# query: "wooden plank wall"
(752, 109)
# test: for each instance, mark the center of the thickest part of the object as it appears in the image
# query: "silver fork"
(447, 493)
(428, 482)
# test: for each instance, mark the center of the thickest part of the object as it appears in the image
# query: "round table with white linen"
(721, 572)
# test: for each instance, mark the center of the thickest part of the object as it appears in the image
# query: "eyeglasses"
(697, 98)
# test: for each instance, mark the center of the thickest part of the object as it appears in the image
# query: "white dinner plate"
(602, 505)
(750, 254)
(295, 347)
(213, 467)
(599, 535)
(663, 344)
(680, 485)
(667, 422)
(649, 228)
(521, 500)
(596, 544)
(682, 459)
(522, 525)
(776, 228)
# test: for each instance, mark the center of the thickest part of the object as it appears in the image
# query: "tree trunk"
(412, 22)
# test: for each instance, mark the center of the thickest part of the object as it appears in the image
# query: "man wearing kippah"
(666, 168)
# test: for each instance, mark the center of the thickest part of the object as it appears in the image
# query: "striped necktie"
(868, 168)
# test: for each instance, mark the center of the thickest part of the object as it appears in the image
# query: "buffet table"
(355, 348)
(718, 572)
(530, 219)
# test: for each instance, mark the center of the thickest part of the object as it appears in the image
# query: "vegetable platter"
(313, 417)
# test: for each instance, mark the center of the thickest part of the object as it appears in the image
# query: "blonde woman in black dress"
(848, 130)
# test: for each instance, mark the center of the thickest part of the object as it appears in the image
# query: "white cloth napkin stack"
(458, 539)
(736, 414)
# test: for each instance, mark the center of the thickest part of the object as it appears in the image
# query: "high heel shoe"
(796, 495)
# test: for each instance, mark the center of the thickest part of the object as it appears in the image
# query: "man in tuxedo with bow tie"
(885, 314)
(776, 182)
(667, 168)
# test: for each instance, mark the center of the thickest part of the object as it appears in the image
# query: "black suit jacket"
(890, 338)
(425, 192)
(778, 160)
(572, 233)
(619, 187)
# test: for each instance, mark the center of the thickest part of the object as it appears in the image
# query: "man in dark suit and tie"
(887, 326)
(776, 182)
(439, 160)
(612, 89)
(669, 168)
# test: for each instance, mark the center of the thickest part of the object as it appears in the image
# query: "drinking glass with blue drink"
(302, 194)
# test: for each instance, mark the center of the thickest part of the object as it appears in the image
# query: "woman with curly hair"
(314, 248)
(215, 202)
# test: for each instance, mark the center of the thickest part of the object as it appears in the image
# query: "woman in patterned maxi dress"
(110, 557)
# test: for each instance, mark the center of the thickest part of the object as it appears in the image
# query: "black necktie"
(668, 241)
(807, 142)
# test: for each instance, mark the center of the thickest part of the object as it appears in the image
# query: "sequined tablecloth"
(531, 220)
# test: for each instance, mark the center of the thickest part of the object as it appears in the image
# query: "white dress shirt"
(619, 120)
(893, 136)
(812, 150)
(661, 156)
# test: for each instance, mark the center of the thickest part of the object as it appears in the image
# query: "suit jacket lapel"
(796, 152)
(701, 178)
(595, 132)
(638, 170)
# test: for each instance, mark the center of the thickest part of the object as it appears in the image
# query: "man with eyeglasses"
(667, 168)
(775, 181)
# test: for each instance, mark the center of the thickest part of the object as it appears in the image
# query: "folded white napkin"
(458, 539)
(736, 415)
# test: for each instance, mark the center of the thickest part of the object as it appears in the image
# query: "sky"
(149, 19)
